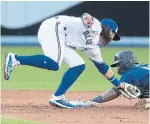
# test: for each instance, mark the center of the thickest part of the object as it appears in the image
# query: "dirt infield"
(33, 105)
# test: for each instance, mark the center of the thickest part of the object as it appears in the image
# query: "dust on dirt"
(33, 105)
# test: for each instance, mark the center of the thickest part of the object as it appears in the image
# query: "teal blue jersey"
(138, 75)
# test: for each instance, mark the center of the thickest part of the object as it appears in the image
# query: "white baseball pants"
(51, 36)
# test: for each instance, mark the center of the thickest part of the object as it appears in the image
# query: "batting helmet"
(124, 60)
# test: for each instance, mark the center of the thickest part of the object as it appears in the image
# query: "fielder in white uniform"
(59, 36)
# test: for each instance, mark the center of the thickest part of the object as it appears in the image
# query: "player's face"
(106, 39)
(117, 69)
(111, 35)
(106, 35)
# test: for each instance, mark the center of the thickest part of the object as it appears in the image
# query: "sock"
(69, 78)
(97, 99)
(40, 61)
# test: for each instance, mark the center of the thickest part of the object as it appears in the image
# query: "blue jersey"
(138, 75)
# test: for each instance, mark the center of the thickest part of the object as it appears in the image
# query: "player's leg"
(49, 38)
(144, 101)
(76, 67)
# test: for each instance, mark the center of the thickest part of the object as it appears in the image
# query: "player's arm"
(107, 95)
(126, 89)
(105, 70)
(95, 55)
(116, 92)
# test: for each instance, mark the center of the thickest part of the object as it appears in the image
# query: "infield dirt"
(33, 105)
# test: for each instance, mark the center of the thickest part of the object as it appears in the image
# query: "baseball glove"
(130, 91)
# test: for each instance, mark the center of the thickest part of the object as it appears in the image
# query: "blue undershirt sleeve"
(103, 69)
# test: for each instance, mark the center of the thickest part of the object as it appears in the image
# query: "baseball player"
(59, 36)
(133, 73)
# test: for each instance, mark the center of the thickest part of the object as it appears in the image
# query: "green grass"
(25, 77)
(6, 120)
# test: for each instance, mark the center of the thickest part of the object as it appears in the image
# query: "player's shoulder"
(135, 68)
(96, 20)
(67, 17)
(145, 65)
(140, 65)
(128, 74)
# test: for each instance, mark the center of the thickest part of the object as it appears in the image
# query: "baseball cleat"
(84, 104)
(10, 64)
(60, 102)
(143, 103)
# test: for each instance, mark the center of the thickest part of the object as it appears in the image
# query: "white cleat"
(60, 102)
(10, 64)
(84, 104)
(143, 103)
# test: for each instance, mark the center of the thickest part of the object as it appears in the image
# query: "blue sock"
(40, 61)
(69, 78)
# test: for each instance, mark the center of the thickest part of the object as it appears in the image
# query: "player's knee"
(80, 68)
(53, 66)
(56, 67)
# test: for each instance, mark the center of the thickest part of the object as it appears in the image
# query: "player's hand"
(129, 91)
(87, 19)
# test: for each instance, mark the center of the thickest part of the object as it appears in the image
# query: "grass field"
(6, 120)
(25, 77)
